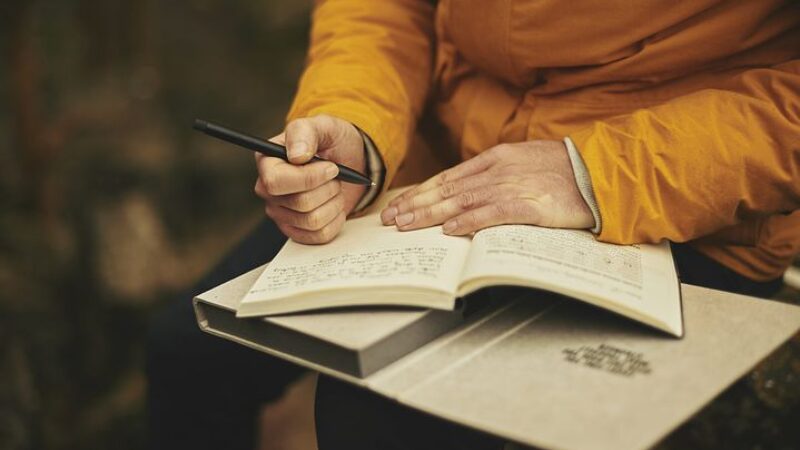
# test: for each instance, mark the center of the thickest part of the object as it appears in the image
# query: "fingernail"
(298, 150)
(331, 171)
(389, 214)
(449, 227)
(404, 219)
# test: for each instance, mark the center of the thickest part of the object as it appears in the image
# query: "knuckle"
(398, 200)
(326, 234)
(302, 203)
(339, 203)
(409, 204)
(304, 238)
(505, 211)
(329, 190)
(296, 124)
(471, 220)
(467, 200)
(447, 189)
(495, 192)
(530, 211)
(313, 220)
(272, 183)
(498, 151)
(448, 176)
(405, 205)
(310, 179)
(424, 214)
(317, 239)
(519, 209)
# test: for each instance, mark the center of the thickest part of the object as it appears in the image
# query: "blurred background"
(112, 205)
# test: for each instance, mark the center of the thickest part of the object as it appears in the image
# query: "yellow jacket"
(686, 114)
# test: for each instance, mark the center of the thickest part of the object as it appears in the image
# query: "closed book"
(539, 369)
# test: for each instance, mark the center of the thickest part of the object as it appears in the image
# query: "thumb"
(302, 141)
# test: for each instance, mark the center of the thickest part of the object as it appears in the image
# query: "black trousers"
(205, 392)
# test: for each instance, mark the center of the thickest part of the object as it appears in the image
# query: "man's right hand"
(303, 199)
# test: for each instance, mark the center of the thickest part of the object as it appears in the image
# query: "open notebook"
(371, 264)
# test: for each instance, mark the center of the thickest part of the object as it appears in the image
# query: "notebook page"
(365, 254)
(627, 278)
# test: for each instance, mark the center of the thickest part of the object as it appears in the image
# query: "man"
(640, 121)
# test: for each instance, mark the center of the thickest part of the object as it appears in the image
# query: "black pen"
(267, 148)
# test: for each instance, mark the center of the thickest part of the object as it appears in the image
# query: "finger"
(492, 214)
(302, 140)
(307, 201)
(478, 164)
(311, 221)
(322, 236)
(308, 136)
(409, 193)
(407, 198)
(413, 192)
(440, 212)
(281, 178)
(436, 195)
(278, 139)
(405, 194)
(260, 190)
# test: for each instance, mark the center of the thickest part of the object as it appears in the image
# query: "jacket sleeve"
(370, 63)
(699, 163)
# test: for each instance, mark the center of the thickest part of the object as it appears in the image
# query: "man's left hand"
(527, 183)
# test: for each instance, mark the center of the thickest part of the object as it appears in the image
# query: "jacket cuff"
(584, 182)
(376, 171)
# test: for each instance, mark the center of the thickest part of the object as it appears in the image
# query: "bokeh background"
(112, 206)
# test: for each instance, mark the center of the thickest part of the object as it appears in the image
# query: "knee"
(348, 417)
(175, 346)
(165, 332)
(181, 357)
(355, 418)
